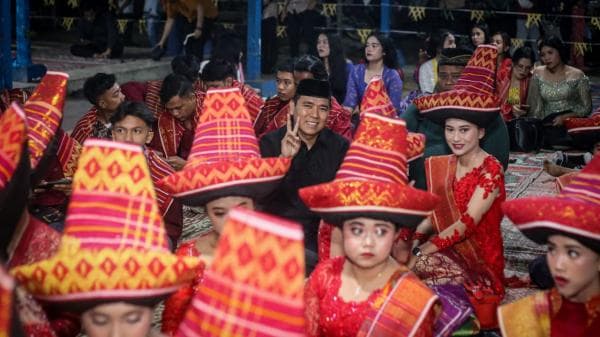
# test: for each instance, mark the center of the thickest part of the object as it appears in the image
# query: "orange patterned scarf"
(406, 310)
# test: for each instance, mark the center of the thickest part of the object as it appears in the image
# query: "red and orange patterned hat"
(68, 152)
(255, 286)
(472, 98)
(114, 247)
(574, 212)
(372, 181)
(585, 131)
(13, 133)
(44, 111)
(377, 101)
(225, 158)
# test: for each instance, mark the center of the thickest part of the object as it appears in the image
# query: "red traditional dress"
(178, 303)
(477, 255)
(510, 95)
(266, 115)
(275, 113)
(37, 242)
(327, 314)
(547, 314)
(371, 183)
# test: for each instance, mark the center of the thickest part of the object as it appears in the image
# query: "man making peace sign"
(316, 153)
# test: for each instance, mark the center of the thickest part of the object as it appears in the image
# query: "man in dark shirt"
(98, 33)
(317, 153)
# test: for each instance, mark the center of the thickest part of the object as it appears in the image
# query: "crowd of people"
(337, 207)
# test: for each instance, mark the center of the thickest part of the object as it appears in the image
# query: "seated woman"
(480, 34)
(502, 41)
(113, 263)
(380, 56)
(512, 87)
(428, 71)
(331, 52)
(568, 224)
(370, 200)
(557, 92)
(227, 172)
(467, 248)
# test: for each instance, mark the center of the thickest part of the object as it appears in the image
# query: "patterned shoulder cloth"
(575, 213)
(372, 182)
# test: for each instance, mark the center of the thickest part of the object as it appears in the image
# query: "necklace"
(359, 288)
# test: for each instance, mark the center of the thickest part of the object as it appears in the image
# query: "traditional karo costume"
(371, 182)
(476, 256)
(574, 213)
(107, 253)
(225, 161)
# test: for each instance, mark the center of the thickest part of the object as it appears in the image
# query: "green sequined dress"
(546, 98)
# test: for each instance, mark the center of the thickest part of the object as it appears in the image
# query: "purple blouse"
(356, 86)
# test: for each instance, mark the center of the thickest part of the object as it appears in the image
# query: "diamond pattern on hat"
(225, 155)
(114, 246)
(376, 100)
(113, 201)
(255, 286)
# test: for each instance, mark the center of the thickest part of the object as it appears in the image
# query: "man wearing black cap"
(496, 142)
(316, 153)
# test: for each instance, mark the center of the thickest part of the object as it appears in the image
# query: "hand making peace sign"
(290, 144)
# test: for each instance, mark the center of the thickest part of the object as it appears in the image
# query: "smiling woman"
(466, 247)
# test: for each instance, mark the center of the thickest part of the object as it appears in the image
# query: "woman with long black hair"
(331, 52)
(380, 60)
